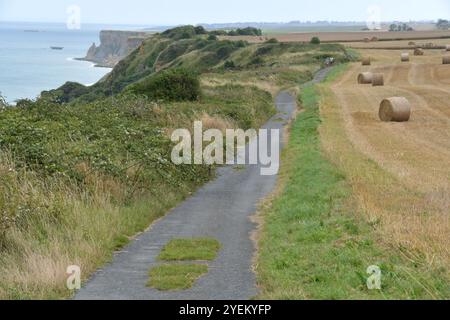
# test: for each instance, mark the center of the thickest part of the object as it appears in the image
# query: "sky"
(173, 12)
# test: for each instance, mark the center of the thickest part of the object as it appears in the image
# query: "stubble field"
(399, 172)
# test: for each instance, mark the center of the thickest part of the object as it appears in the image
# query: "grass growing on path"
(204, 249)
(312, 245)
(176, 276)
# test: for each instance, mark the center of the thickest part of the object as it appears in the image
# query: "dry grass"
(58, 225)
(399, 172)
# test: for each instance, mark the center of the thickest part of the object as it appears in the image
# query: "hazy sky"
(164, 12)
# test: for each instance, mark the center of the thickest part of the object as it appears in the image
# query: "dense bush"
(229, 64)
(170, 85)
(241, 44)
(256, 61)
(315, 40)
(68, 91)
(264, 50)
(200, 30)
(184, 32)
(218, 32)
(249, 31)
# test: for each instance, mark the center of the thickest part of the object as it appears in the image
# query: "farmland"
(319, 235)
(408, 191)
(347, 36)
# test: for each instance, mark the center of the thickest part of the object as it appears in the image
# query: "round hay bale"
(405, 57)
(366, 61)
(411, 43)
(418, 52)
(396, 109)
(447, 47)
(446, 60)
(377, 80)
(365, 78)
(366, 40)
(374, 39)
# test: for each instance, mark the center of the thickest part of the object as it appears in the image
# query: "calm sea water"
(28, 65)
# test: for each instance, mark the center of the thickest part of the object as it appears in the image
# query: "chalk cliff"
(114, 46)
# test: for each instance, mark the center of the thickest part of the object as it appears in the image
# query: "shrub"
(218, 32)
(212, 37)
(264, 50)
(229, 64)
(241, 44)
(249, 31)
(200, 30)
(183, 32)
(315, 40)
(273, 40)
(225, 50)
(171, 85)
(67, 92)
(24, 103)
(256, 61)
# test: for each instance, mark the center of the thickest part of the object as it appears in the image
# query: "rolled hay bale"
(411, 43)
(405, 57)
(446, 60)
(365, 78)
(447, 47)
(396, 109)
(377, 80)
(418, 52)
(366, 40)
(374, 39)
(366, 61)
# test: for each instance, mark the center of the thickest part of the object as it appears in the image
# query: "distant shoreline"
(96, 65)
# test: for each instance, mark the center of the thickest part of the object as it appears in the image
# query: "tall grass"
(50, 224)
(77, 182)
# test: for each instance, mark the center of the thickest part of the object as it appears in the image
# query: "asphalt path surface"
(222, 210)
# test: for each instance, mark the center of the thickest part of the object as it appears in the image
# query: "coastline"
(30, 67)
(96, 64)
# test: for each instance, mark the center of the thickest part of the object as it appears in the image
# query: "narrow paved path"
(221, 210)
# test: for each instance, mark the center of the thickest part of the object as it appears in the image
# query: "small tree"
(443, 24)
(315, 40)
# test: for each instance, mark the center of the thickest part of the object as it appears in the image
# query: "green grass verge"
(176, 276)
(204, 249)
(313, 246)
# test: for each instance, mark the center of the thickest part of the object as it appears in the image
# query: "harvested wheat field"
(440, 44)
(366, 38)
(399, 171)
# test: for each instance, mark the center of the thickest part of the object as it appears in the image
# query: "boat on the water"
(56, 48)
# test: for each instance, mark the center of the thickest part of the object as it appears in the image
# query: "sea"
(28, 65)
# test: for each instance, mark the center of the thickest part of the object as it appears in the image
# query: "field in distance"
(346, 36)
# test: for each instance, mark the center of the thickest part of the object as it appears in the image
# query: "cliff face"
(114, 46)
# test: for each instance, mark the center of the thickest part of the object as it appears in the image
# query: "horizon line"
(225, 23)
